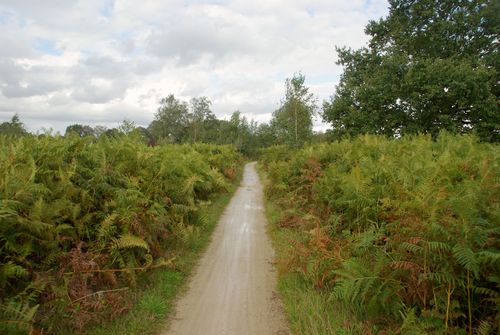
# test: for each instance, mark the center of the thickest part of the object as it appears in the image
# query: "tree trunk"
(296, 126)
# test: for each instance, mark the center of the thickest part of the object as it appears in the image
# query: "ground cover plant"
(82, 218)
(379, 235)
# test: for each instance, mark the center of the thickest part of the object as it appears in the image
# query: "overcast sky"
(102, 61)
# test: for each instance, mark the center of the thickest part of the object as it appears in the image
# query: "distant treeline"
(178, 122)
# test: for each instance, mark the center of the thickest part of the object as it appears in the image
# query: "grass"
(153, 298)
(309, 311)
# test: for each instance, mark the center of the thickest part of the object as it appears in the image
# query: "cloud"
(99, 91)
(22, 81)
(94, 61)
(209, 31)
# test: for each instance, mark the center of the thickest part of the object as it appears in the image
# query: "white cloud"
(98, 62)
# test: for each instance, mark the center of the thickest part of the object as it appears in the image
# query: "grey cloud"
(14, 46)
(118, 75)
(18, 81)
(99, 94)
(34, 115)
(196, 37)
(59, 99)
(145, 66)
(100, 66)
(62, 15)
(17, 91)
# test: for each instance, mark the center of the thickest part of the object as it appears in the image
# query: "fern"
(15, 316)
(84, 206)
(466, 258)
(128, 241)
(363, 289)
(10, 270)
(430, 207)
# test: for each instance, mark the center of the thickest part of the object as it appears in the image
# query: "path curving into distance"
(233, 291)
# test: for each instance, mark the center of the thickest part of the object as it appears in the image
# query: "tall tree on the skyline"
(293, 120)
(430, 65)
(171, 120)
(14, 127)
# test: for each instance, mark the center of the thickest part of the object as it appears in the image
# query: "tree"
(81, 130)
(265, 136)
(127, 127)
(430, 65)
(113, 133)
(199, 116)
(14, 127)
(171, 120)
(99, 130)
(293, 120)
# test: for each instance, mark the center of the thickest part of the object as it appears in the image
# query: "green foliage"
(79, 215)
(292, 122)
(179, 122)
(430, 65)
(80, 130)
(405, 231)
(13, 128)
(171, 120)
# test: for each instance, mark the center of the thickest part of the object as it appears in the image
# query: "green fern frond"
(466, 258)
(183, 209)
(190, 183)
(416, 249)
(438, 247)
(441, 277)
(6, 212)
(487, 257)
(106, 229)
(484, 328)
(486, 291)
(15, 311)
(128, 241)
(11, 270)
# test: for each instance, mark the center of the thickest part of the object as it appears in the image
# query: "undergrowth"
(154, 297)
(82, 219)
(388, 236)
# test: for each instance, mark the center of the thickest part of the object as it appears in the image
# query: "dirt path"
(233, 289)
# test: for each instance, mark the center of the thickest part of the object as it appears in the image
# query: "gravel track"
(233, 290)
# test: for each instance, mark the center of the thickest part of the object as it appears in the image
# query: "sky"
(98, 62)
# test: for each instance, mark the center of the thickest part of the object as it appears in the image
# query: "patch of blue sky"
(367, 4)
(4, 16)
(9, 17)
(311, 12)
(107, 9)
(46, 46)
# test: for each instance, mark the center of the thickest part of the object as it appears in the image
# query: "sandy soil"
(233, 289)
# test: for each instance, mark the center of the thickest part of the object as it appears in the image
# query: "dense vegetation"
(81, 217)
(399, 235)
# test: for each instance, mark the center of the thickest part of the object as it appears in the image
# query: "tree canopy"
(429, 65)
(15, 127)
(292, 122)
(170, 120)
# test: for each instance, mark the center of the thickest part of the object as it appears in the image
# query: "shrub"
(412, 223)
(85, 215)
